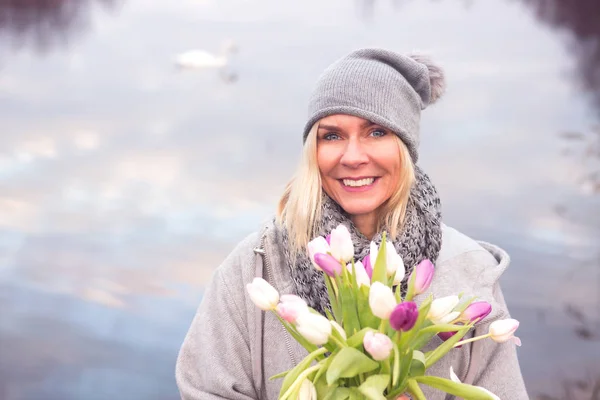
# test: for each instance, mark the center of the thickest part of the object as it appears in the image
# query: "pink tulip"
(424, 274)
(290, 307)
(378, 345)
(328, 264)
(476, 311)
(367, 264)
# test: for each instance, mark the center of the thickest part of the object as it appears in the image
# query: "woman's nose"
(354, 154)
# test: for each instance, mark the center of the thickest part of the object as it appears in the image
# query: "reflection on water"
(125, 181)
(46, 23)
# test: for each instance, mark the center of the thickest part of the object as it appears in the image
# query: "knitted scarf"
(420, 238)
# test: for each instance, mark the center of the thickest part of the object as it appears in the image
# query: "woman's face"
(359, 163)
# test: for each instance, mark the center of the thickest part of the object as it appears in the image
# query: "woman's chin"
(355, 208)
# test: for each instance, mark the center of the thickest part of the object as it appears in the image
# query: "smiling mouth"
(358, 182)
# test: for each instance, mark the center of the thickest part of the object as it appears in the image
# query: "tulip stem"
(472, 339)
(338, 342)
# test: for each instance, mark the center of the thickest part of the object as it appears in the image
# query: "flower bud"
(314, 327)
(307, 391)
(262, 294)
(290, 307)
(317, 245)
(378, 345)
(342, 248)
(328, 264)
(404, 316)
(381, 300)
(504, 330)
(476, 311)
(423, 276)
(361, 274)
(441, 310)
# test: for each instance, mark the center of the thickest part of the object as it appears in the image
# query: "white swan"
(194, 59)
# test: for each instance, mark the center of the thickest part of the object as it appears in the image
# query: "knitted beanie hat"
(381, 86)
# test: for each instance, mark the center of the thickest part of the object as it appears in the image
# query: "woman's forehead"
(344, 120)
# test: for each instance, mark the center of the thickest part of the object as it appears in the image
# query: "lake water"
(124, 181)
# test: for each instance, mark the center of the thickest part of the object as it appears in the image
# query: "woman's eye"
(331, 136)
(379, 133)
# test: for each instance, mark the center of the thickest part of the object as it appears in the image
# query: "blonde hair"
(299, 208)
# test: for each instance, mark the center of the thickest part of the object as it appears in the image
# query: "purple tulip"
(424, 275)
(404, 316)
(476, 311)
(328, 264)
(328, 239)
(367, 264)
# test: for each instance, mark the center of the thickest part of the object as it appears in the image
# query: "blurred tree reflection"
(44, 24)
(581, 20)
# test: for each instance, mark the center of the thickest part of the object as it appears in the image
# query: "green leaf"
(417, 365)
(415, 390)
(348, 363)
(333, 300)
(365, 315)
(349, 314)
(357, 339)
(280, 375)
(410, 291)
(464, 304)
(405, 361)
(326, 363)
(323, 389)
(445, 347)
(374, 386)
(340, 393)
(380, 268)
(291, 377)
(461, 390)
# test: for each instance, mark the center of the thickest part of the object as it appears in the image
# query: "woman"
(358, 168)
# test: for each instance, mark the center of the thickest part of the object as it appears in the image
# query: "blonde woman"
(359, 167)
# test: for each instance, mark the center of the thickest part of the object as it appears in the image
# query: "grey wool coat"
(232, 348)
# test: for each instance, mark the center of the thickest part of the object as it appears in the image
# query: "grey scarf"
(420, 238)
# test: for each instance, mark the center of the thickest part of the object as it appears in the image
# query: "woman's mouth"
(358, 185)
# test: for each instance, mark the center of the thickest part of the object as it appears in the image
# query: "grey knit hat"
(382, 86)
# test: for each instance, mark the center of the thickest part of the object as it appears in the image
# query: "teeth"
(358, 183)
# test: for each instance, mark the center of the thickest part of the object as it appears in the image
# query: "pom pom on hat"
(437, 79)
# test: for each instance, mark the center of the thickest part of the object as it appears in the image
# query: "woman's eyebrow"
(328, 127)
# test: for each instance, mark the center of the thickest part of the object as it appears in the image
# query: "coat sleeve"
(495, 366)
(215, 361)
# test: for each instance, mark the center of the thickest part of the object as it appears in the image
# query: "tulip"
(290, 307)
(262, 294)
(339, 329)
(454, 378)
(441, 310)
(314, 327)
(446, 335)
(368, 266)
(381, 300)
(317, 245)
(476, 311)
(378, 345)
(504, 330)
(393, 261)
(423, 276)
(342, 248)
(307, 391)
(328, 264)
(404, 316)
(361, 274)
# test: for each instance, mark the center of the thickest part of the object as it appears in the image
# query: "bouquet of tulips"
(369, 345)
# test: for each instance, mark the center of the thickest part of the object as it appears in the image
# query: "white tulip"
(317, 245)
(441, 309)
(314, 327)
(262, 294)
(307, 391)
(381, 300)
(342, 248)
(361, 274)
